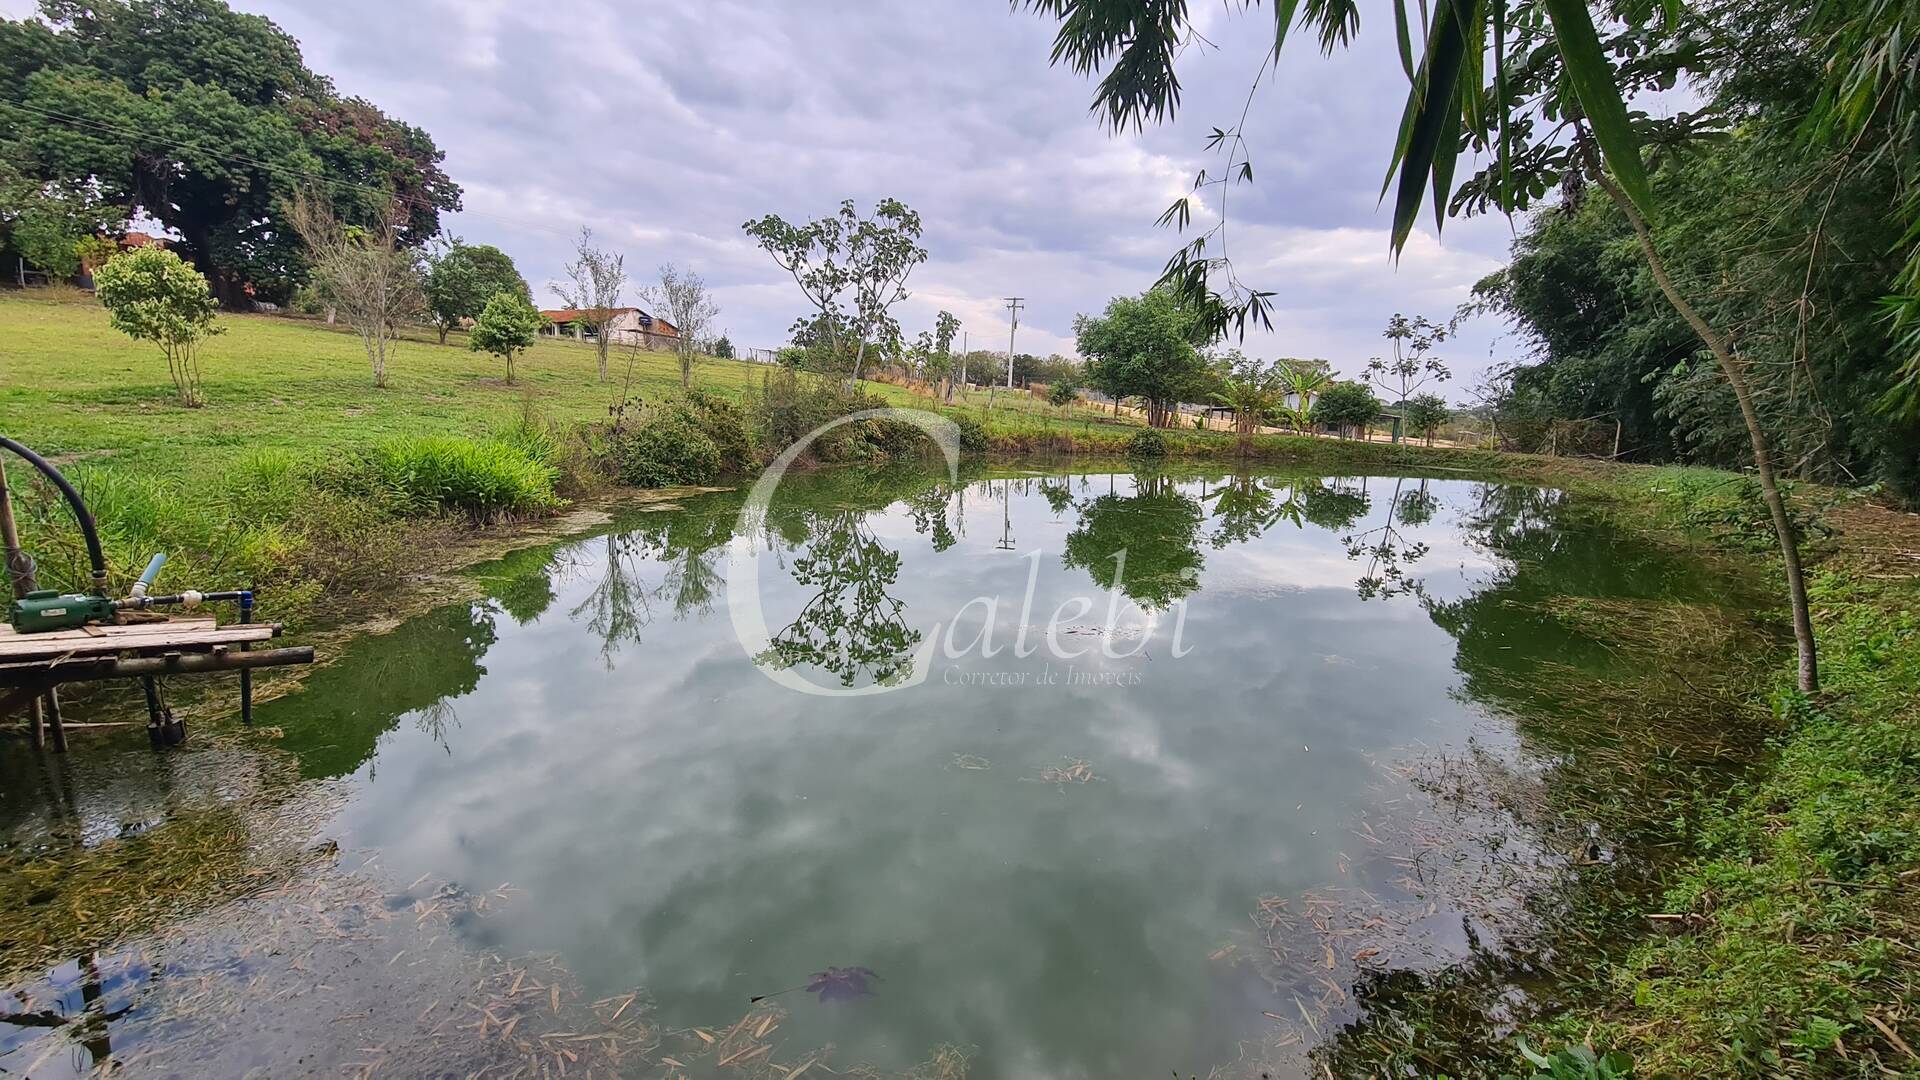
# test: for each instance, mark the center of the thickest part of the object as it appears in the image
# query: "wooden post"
(54, 722)
(20, 575)
(246, 674)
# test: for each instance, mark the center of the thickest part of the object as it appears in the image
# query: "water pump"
(48, 609)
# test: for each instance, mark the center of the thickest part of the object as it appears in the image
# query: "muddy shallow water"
(1069, 775)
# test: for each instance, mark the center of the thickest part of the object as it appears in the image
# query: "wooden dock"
(33, 664)
(199, 634)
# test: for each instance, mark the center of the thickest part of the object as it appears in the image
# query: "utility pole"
(1013, 305)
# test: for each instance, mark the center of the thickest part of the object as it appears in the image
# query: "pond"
(1082, 774)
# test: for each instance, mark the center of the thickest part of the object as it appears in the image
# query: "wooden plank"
(148, 637)
(7, 631)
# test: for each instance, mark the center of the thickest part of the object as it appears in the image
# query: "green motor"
(48, 609)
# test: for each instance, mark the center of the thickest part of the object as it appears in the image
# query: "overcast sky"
(664, 126)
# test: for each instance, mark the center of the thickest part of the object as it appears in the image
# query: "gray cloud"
(665, 126)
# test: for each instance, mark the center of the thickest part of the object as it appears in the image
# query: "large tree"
(206, 119)
(1143, 346)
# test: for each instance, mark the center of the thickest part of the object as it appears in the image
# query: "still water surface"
(1047, 858)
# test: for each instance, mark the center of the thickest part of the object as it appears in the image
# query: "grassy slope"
(69, 384)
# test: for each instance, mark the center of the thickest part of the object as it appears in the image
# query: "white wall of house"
(626, 329)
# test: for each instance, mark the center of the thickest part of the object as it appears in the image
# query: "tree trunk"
(1735, 370)
(443, 333)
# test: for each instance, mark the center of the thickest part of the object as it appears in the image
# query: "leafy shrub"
(726, 423)
(306, 300)
(1346, 405)
(792, 404)
(973, 435)
(666, 449)
(427, 473)
(152, 295)
(896, 440)
(1733, 507)
(1147, 444)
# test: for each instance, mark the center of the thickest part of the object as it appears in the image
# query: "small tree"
(1347, 405)
(871, 256)
(151, 295)
(594, 281)
(1301, 382)
(946, 326)
(366, 275)
(453, 287)
(1413, 365)
(462, 277)
(723, 347)
(1063, 393)
(508, 322)
(1424, 413)
(683, 300)
(1143, 346)
(50, 224)
(1252, 390)
(94, 251)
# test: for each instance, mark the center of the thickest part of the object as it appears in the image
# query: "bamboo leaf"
(1500, 97)
(1433, 109)
(1400, 31)
(1283, 14)
(1473, 20)
(1593, 82)
(1445, 155)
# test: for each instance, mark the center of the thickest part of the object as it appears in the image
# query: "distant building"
(629, 326)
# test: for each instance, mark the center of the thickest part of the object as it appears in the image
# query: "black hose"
(85, 517)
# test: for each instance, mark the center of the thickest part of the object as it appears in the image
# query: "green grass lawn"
(71, 385)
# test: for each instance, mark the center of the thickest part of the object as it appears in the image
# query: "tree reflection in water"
(1247, 506)
(1389, 552)
(1146, 544)
(619, 607)
(852, 626)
